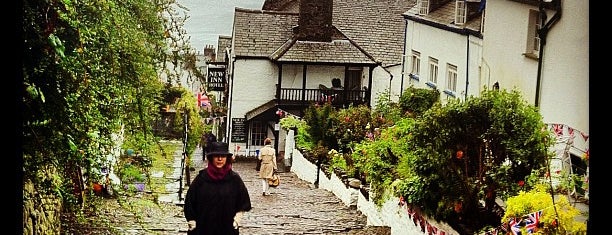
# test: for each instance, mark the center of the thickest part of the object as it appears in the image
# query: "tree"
(90, 73)
(465, 152)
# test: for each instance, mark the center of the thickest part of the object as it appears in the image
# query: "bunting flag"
(558, 129)
(203, 99)
(515, 226)
(532, 221)
(570, 131)
(585, 136)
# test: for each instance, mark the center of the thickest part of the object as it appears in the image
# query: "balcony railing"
(297, 96)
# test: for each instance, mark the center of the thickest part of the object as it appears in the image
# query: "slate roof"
(444, 17)
(373, 31)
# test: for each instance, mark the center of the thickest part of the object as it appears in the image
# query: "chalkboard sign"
(238, 130)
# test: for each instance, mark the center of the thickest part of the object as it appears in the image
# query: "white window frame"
(460, 12)
(423, 7)
(259, 132)
(533, 39)
(451, 77)
(433, 70)
(482, 21)
(415, 63)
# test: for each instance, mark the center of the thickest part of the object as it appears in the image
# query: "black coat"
(213, 204)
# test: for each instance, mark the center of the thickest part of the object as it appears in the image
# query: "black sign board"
(216, 79)
(238, 130)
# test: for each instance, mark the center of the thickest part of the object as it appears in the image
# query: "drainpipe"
(542, 33)
(230, 98)
(404, 57)
(467, 67)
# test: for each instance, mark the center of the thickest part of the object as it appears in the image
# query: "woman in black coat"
(217, 197)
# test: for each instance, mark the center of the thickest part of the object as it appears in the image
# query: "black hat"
(218, 148)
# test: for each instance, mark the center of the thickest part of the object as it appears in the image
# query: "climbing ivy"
(91, 74)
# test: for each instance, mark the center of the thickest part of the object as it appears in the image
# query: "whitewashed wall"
(565, 65)
(390, 214)
(447, 47)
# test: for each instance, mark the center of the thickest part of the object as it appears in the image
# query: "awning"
(270, 105)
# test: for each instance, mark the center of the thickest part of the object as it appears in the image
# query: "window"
(460, 12)
(423, 7)
(416, 63)
(482, 21)
(533, 39)
(451, 77)
(354, 78)
(258, 133)
(433, 70)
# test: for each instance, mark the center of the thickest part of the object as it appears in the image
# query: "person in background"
(217, 197)
(206, 139)
(267, 155)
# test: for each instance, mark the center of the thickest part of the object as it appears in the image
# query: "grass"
(162, 161)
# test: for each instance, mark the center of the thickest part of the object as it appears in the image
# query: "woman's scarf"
(218, 173)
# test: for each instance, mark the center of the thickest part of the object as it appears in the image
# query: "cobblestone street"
(294, 207)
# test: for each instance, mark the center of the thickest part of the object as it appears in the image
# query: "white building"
(284, 58)
(550, 68)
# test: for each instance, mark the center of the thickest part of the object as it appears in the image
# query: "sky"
(208, 19)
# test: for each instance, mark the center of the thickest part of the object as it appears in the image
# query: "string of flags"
(529, 221)
(420, 221)
(566, 130)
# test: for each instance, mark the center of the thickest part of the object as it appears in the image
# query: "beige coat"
(267, 155)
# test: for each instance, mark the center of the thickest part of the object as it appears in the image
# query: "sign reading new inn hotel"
(216, 79)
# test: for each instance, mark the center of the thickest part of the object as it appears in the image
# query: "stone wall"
(41, 213)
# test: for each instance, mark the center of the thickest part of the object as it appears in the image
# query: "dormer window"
(460, 12)
(423, 7)
(533, 39)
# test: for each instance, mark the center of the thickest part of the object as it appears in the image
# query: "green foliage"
(464, 149)
(444, 159)
(557, 218)
(352, 126)
(415, 101)
(302, 133)
(381, 159)
(291, 122)
(187, 113)
(130, 173)
(90, 80)
(320, 120)
(385, 111)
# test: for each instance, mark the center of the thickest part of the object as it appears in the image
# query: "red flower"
(521, 183)
(459, 154)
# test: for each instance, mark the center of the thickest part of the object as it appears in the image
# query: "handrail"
(322, 95)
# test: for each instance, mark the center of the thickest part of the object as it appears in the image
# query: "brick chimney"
(209, 53)
(315, 23)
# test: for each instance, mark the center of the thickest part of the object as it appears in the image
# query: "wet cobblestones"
(294, 207)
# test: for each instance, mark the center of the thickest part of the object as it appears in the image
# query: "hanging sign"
(216, 79)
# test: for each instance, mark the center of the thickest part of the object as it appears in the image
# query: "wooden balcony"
(337, 97)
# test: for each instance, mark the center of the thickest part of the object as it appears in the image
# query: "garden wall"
(393, 213)
(41, 213)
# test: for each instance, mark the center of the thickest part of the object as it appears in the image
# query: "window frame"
(415, 63)
(451, 77)
(460, 12)
(258, 133)
(532, 49)
(433, 70)
(423, 7)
